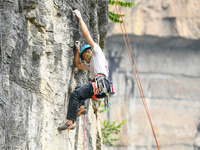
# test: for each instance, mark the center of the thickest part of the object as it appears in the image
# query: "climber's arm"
(77, 61)
(84, 29)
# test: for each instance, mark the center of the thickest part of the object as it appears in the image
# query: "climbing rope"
(131, 58)
(2, 90)
(84, 134)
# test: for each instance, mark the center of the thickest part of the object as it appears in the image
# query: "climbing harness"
(131, 58)
(99, 88)
(3, 94)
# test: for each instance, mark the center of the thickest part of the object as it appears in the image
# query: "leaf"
(120, 3)
(114, 17)
(110, 129)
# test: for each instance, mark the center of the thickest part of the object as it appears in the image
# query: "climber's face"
(87, 55)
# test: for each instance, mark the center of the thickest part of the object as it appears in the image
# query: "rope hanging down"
(84, 134)
(131, 58)
(2, 90)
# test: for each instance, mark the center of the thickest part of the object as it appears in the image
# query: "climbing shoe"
(66, 126)
(82, 111)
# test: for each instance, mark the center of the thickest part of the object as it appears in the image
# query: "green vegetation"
(124, 4)
(102, 108)
(110, 132)
(114, 17)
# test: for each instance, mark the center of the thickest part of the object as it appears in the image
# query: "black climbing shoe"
(82, 111)
(66, 126)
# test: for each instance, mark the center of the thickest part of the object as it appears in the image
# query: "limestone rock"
(38, 62)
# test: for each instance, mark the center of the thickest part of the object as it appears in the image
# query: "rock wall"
(165, 38)
(38, 71)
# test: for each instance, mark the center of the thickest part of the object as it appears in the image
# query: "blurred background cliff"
(165, 38)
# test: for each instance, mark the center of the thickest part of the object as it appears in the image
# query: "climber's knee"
(74, 94)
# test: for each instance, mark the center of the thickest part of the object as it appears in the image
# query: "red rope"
(136, 73)
(84, 134)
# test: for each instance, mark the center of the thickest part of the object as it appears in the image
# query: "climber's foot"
(82, 111)
(66, 126)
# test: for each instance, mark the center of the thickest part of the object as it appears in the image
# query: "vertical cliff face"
(38, 56)
(164, 36)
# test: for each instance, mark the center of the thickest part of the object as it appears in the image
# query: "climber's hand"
(78, 14)
(77, 44)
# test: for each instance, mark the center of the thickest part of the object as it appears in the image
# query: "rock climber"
(100, 86)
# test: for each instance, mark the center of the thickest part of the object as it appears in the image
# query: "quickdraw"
(99, 88)
(107, 104)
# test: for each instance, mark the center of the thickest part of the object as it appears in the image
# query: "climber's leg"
(82, 107)
(76, 99)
